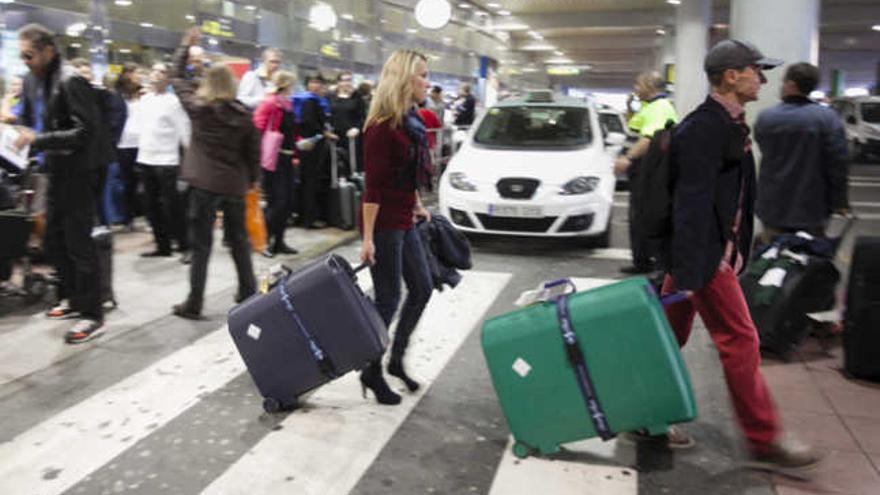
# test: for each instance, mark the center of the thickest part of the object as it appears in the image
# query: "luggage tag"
(546, 291)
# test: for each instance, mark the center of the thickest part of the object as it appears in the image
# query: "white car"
(861, 120)
(534, 166)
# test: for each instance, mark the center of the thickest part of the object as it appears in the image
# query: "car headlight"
(458, 180)
(580, 185)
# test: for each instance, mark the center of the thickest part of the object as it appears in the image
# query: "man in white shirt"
(254, 83)
(164, 127)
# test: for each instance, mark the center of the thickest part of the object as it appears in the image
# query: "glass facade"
(112, 32)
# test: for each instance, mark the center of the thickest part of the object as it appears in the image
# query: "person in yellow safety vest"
(655, 112)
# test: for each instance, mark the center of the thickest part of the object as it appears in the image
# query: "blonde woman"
(222, 162)
(397, 164)
(275, 114)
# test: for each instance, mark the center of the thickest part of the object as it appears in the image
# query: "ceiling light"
(876, 27)
(661, 32)
(412, 30)
(250, 7)
(123, 3)
(108, 42)
(559, 53)
(433, 14)
(504, 12)
(510, 27)
(213, 41)
(76, 45)
(493, 5)
(378, 38)
(146, 24)
(322, 17)
(447, 40)
(190, 17)
(673, 2)
(125, 50)
(465, 6)
(559, 60)
(75, 29)
(538, 48)
(347, 17)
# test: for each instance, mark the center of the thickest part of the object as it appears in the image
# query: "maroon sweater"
(385, 159)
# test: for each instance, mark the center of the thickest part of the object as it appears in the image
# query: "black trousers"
(201, 214)
(165, 206)
(69, 221)
(646, 253)
(315, 176)
(127, 158)
(280, 189)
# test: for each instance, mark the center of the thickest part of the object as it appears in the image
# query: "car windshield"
(535, 127)
(871, 112)
(610, 122)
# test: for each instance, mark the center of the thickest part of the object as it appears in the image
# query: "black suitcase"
(344, 197)
(103, 239)
(783, 324)
(861, 334)
(314, 326)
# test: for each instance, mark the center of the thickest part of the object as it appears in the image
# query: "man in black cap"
(712, 214)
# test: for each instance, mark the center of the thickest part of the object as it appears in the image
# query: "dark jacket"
(224, 152)
(112, 112)
(466, 111)
(712, 170)
(447, 250)
(346, 113)
(803, 165)
(71, 130)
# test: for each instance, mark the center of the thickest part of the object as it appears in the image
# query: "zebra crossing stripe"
(616, 254)
(327, 449)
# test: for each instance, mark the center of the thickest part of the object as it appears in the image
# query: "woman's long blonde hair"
(218, 85)
(393, 95)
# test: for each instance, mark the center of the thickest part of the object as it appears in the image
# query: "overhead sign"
(330, 50)
(221, 27)
(563, 70)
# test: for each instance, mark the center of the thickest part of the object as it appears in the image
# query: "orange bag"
(253, 219)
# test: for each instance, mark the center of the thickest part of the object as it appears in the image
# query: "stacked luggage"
(786, 280)
(315, 325)
(345, 189)
(587, 364)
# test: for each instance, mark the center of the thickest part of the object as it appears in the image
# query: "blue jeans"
(400, 253)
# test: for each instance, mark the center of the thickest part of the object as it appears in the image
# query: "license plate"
(519, 211)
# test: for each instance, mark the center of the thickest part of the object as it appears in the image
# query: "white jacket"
(252, 88)
(163, 127)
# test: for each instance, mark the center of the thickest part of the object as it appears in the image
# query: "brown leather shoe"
(674, 438)
(794, 461)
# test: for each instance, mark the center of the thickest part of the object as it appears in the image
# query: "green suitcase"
(632, 375)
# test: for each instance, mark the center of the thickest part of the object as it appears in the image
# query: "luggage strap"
(576, 358)
(325, 365)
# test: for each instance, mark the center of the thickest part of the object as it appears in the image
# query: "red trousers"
(723, 308)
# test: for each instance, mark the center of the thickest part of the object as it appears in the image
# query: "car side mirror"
(851, 120)
(615, 139)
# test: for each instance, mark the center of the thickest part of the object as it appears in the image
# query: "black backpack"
(653, 185)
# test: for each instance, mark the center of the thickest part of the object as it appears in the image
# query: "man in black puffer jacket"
(61, 107)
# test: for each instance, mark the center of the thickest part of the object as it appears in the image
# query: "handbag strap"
(325, 365)
(576, 358)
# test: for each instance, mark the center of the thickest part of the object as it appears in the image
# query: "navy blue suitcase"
(312, 327)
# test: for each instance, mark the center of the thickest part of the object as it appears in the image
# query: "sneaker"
(84, 331)
(674, 438)
(793, 461)
(62, 311)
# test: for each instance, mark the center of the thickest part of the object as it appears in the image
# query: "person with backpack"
(312, 113)
(275, 115)
(61, 109)
(656, 111)
(712, 209)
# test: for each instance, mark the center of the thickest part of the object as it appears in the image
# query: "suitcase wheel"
(522, 450)
(272, 405)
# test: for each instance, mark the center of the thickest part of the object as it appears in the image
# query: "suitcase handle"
(560, 282)
(674, 298)
(360, 267)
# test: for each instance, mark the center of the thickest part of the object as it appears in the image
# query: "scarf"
(419, 154)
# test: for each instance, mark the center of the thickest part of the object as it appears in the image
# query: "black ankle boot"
(395, 368)
(372, 379)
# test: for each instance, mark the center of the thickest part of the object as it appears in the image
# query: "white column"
(666, 53)
(691, 37)
(783, 29)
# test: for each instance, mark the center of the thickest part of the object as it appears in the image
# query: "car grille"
(514, 224)
(517, 187)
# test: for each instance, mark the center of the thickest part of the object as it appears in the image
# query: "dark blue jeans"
(400, 254)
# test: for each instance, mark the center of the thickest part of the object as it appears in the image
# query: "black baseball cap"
(736, 54)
